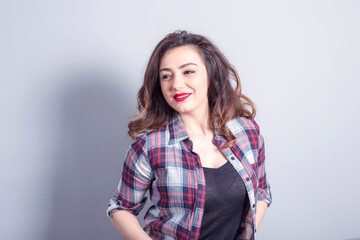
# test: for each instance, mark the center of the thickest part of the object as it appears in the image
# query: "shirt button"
(253, 205)
(232, 158)
(247, 179)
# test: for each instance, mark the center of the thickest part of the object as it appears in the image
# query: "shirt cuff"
(118, 205)
(264, 195)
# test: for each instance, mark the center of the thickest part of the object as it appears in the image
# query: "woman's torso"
(178, 188)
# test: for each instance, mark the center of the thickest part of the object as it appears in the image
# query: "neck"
(197, 125)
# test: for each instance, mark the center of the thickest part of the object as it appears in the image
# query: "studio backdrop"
(70, 72)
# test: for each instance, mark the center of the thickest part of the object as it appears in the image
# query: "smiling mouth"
(181, 97)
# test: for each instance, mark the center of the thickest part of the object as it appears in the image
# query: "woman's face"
(184, 81)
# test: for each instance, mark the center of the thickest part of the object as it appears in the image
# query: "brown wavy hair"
(225, 101)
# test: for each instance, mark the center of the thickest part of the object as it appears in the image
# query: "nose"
(178, 82)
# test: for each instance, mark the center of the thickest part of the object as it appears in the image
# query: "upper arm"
(263, 191)
(135, 181)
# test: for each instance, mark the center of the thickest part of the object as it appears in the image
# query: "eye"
(189, 71)
(165, 76)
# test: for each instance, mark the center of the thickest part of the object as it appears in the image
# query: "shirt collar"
(177, 130)
(178, 133)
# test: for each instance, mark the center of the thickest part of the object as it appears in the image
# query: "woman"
(198, 150)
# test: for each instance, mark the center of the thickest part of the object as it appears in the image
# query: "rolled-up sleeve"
(134, 182)
(263, 192)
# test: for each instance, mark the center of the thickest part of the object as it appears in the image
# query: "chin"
(180, 110)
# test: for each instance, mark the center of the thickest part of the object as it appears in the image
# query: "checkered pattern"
(162, 162)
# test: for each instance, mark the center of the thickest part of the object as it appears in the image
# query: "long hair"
(225, 99)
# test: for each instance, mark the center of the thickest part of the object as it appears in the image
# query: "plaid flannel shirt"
(162, 161)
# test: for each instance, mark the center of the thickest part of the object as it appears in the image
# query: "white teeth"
(182, 96)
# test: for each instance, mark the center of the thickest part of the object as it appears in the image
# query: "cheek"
(164, 90)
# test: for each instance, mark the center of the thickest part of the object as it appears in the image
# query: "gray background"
(70, 71)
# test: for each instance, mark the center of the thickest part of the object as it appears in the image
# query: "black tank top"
(226, 200)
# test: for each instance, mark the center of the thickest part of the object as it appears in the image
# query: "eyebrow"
(182, 66)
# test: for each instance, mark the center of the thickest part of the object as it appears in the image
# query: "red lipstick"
(179, 97)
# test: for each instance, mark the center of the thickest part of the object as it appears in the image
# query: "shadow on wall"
(94, 111)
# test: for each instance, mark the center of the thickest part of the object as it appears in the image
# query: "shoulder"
(242, 124)
(153, 138)
(152, 146)
(246, 132)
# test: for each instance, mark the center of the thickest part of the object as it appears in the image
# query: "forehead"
(180, 55)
